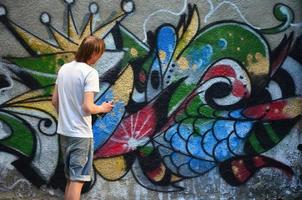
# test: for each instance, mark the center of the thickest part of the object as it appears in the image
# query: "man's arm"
(55, 98)
(90, 108)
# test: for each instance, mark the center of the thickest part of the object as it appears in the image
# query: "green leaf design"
(21, 138)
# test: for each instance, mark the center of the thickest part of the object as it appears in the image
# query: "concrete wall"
(207, 98)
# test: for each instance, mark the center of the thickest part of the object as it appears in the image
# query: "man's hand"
(90, 108)
(107, 106)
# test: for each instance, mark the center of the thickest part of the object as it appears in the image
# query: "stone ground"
(15, 195)
(14, 187)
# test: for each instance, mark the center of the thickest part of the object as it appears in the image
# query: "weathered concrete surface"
(257, 12)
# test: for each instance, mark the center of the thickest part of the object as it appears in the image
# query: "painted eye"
(225, 83)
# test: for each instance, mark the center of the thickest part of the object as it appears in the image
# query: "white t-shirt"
(73, 80)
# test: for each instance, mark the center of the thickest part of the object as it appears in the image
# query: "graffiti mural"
(203, 97)
(192, 98)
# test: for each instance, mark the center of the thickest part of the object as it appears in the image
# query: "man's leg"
(74, 190)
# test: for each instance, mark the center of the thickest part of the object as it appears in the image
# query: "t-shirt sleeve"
(92, 82)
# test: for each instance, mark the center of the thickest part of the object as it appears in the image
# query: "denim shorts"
(78, 157)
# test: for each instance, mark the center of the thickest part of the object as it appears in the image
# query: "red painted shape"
(240, 171)
(259, 162)
(269, 111)
(142, 77)
(220, 70)
(156, 173)
(263, 161)
(227, 71)
(133, 131)
(238, 89)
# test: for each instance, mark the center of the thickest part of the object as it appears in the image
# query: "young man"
(73, 98)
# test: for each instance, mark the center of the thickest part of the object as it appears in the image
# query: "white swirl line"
(230, 3)
(299, 24)
(158, 11)
(16, 183)
(211, 4)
